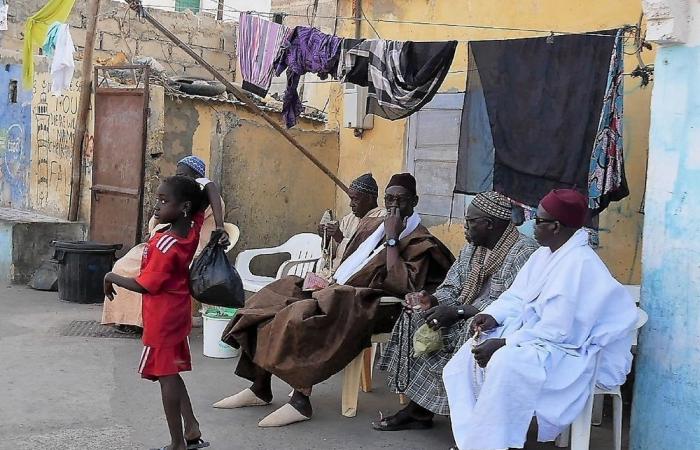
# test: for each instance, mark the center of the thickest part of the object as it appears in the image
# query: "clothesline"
(409, 22)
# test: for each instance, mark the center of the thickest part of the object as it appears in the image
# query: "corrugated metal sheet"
(222, 100)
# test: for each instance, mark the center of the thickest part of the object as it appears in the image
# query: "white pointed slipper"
(286, 415)
(243, 399)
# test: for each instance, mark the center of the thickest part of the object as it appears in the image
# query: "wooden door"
(118, 165)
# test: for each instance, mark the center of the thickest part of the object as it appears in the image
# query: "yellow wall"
(270, 189)
(382, 150)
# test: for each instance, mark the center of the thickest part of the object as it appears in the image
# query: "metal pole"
(240, 95)
(83, 109)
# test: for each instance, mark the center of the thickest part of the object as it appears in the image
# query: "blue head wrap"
(195, 164)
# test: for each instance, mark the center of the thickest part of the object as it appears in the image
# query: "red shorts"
(159, 362)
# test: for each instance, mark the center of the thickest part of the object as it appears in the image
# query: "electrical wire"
(369, 22)
(410, 22)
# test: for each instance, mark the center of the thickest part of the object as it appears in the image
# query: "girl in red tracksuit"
(167, 315)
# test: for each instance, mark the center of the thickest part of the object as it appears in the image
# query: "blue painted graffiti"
(15, 138)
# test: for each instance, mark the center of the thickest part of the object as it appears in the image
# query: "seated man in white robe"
(535, 349)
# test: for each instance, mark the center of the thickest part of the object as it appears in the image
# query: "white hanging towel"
(63, 65)
(4, 7)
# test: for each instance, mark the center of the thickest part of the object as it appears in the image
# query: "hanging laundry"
(401, 76)
(59, 46)
(307, 50)
(259, 46)
(35, 31)
(531, 114)
(50, 43)
(476, 151)
(4, 9)
(606, 179)
(352, 69)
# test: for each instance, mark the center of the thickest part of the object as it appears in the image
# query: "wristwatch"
(392, 242)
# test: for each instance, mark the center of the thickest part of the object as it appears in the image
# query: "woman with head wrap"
(125, 310)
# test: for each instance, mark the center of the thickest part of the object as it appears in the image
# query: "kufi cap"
(494, 204)
(365, 184)
(568, 206)
(405, 180)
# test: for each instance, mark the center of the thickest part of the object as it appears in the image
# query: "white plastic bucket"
(213, 347)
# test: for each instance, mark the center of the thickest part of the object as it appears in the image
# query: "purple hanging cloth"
(308, 50)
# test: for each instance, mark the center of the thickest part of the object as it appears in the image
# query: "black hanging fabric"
(531, 114)
(402, 76)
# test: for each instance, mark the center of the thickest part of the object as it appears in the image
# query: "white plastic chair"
(580, 430)
(358, 374)
(305, 251)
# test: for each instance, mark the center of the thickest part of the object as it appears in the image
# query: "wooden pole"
(357, 12)
(83, 109)
(220, 10)
(240, 95)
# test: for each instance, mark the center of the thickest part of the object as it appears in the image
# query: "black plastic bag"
(213, 280)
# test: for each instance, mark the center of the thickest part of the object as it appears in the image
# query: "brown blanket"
(305, 338)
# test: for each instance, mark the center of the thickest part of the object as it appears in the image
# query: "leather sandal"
(402, 421)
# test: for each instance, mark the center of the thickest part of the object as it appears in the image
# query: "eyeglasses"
(389, 199)
(540, 221)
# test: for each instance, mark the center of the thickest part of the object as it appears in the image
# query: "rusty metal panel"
(118, 165)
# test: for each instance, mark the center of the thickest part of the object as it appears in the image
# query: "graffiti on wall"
(54, 123)
(15, 132)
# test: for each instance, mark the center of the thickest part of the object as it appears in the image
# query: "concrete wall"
(31, 244)
(210, 7)
(15, 138)
(37, 133)
(383, 149)
(271, 191)
(54, 120)
(118, 31)
(36, 139)
(6, 253)
(25, 242)
(667, 398)
(301, 13)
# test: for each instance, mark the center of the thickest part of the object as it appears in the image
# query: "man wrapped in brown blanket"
(304, 338)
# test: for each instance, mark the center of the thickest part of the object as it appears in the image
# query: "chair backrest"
(634, 290)
(234, 234)
(642, 318)
(303, 246)
(301, 269)
(304, 250)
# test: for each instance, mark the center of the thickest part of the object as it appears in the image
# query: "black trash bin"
(82, 266)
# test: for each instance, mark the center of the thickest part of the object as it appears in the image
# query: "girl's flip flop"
(194, 444)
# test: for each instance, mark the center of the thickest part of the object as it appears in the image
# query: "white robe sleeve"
(509, 304)
(555, 324)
